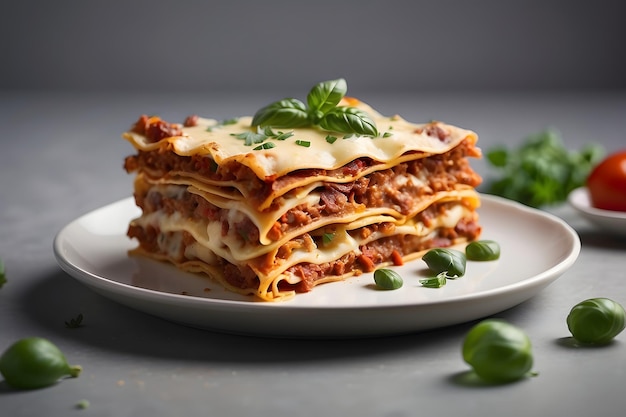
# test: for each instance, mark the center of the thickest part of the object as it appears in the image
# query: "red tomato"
(607, 183)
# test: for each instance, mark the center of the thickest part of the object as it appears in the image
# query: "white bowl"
(613, 222)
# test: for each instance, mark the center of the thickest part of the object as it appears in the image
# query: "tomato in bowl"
(607, 183)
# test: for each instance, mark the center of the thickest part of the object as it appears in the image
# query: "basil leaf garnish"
(288, 112)
(326, 95)
(387, 279)
(322, 111)
(450, 261)
(483, 250)
(434, 282)
(349, 120)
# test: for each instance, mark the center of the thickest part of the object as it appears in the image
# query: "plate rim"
(105, 286)
(580, 200)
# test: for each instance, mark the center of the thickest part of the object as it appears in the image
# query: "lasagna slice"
(275, 212)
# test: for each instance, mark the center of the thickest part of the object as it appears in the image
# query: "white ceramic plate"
(536, 249)
(613, 222)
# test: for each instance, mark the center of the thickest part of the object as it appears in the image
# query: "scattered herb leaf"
(266, 145)
(75, 322)
(230, 121)
(437, 281)
(250, 138)
(224, 122)
(284, 135)
(327, 238)
(331, 139)
(450, 261)
(387, 279)
(83, 404)
(483, 250)
(304, 143)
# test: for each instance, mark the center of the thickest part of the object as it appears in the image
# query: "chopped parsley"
(250, 138)
(224, 122)
(327, 238)
(266, 145)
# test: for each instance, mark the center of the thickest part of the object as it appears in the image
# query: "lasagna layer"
(308, 260)
(274, 221)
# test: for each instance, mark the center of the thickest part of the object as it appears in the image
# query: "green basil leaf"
(387, 279)
(483, 250)
(434, 282)
(450, 261)
(289, 112)
(349, 120)
(326, 95)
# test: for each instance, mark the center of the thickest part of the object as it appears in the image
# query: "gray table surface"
(61, 157)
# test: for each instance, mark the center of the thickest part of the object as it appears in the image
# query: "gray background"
(74, 75)
(386, 46)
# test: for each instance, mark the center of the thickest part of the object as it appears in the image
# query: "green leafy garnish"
(288, 112)
(283, 135)
(232, 121)
(266, 145)
(348, 120)
(75, 322)
(224, 122)
(327, 238)
(322, 111)
(483, 250)
(331, 139)
(83, 404)
(250, 138)
(3, 278)
(541, 171)
(451, 262)
(304, 143)
(387, 279)
(437, 281)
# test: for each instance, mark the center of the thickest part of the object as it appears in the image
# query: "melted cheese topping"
(218, 141)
